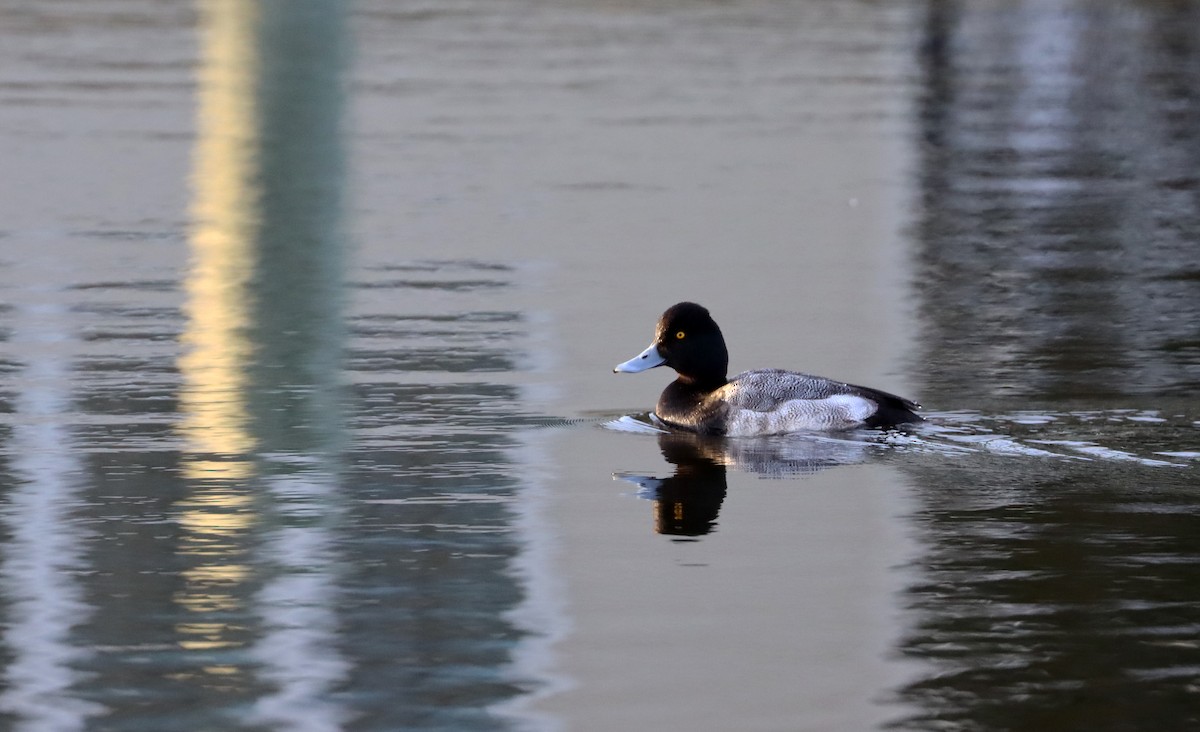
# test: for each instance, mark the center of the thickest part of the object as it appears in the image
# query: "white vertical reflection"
(298, 652)
(541, 615)
(44, 550)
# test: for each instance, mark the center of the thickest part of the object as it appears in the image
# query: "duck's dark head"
(688, 340)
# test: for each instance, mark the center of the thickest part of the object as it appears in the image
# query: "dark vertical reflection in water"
(1059, 242)
(1058, 235)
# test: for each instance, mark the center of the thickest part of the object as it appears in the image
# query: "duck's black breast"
(687, 407)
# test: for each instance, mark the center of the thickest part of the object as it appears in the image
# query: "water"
(307, 318)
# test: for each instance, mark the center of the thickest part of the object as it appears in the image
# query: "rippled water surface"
(307, 321)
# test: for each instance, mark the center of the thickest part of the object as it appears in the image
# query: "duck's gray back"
(763, 389)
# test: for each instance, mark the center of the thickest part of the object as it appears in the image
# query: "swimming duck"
(761, 402)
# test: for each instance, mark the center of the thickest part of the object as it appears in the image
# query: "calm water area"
(309, 309)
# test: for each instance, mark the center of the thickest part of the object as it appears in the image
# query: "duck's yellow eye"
(680, 335)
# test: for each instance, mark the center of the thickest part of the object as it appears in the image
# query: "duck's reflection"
(688, 502)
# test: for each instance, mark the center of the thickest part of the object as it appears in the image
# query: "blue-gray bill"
(647, 359)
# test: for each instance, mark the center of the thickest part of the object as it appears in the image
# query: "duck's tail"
(892, 411)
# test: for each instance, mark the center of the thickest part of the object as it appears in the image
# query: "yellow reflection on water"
(217, 511)
(218, 517)
(225, 227)
(203, 637)
(216, 522)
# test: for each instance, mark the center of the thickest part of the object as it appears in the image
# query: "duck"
(704, 400)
